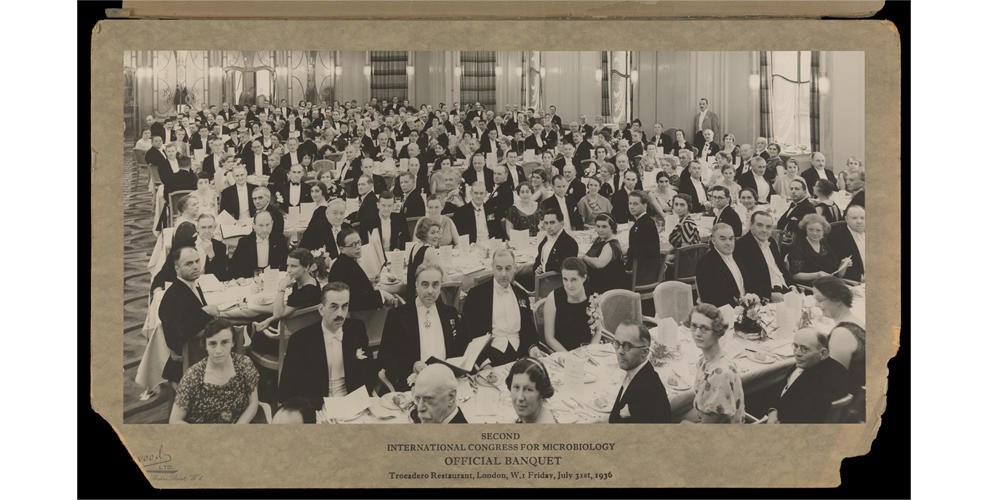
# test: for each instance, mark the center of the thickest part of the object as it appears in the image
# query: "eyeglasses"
(626, 346)
(353, 245)
(704, 328)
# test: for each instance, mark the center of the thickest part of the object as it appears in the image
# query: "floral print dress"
(718, 389)
(217, 404)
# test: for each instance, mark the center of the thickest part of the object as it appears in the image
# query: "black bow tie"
(295, 183)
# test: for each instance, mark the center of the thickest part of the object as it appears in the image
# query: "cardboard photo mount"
(384, 456)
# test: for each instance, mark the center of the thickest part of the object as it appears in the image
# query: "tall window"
(479, 82)
(389, 74)
(791, 82)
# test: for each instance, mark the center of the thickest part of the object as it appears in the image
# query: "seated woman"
(847, 339)
(185, 235)
(604, 258)
(729, 181)
(145, 142)
(540, 187)
(718, 389)
(319, 195)
(187, 209)
(327, 177)
(446, 185)
(825, 206)
(449, 233)
(746, 206)
(524, 214)
(530, 387)
(220, 389)
(567, 323)
(207, 196)
(781, 182)
(426, 235)
(681, 144)
(811, 257)
(686, 231)
(662, 195)
(305, 293)
(606, 174)
(181, 142)
(619, 201)
(592, 204)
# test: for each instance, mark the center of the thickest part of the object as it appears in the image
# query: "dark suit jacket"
(858, 198)
(262, 169)
(664, 142)
(619, 207)
(843, 245)
(729, 216)
(532, 142)
(245, 257)
(465, 223)
(319, 234)
(575, 221)
(789, 221)
(581, 154)
(716, 284)
(400, 346)
(747, 180)
(808, 399)
(304, 196)
(756, 278)
(367, 214)
(565, 246)
(477, 320)
(183, 179)
(576, 191)
(219, 266)
(646, 399)
(181, 314)
(811, 176)
(230, 202)
(687, 187)
(486, 148)
(510, 179)
(208, 164)
(156, 159)
(413, 206)
(364, 297)
(157, 128)
(498, 203)
(469, 176)
(397, 228)
(305, 372)
(643, 239)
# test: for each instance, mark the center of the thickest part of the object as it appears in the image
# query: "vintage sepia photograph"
(572, 237)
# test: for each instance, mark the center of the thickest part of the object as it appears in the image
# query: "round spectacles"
(626, 346)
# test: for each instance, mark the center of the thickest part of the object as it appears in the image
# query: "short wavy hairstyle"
(810, 219)
(536, 372)
(424, 226)
(719, 323)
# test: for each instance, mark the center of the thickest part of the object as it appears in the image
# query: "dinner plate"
(761, 357)
(676, 383)
(601, 403)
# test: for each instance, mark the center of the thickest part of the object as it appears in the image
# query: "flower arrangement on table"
(596, 319)
(755, 318)
(322, 261)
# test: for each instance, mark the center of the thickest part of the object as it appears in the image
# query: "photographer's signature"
(159, 466)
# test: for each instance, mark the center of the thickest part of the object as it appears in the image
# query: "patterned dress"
(521, 221)
(718, 389)
(207, 403)
(685, 233)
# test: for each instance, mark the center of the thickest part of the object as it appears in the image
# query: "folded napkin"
(347, 407)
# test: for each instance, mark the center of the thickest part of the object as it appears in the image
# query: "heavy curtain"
(814, 101)
(479, 83)
(389, 74)
(605, 86)
(766, 121)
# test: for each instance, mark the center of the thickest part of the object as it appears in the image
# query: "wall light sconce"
(754, 82)
(338, 70)
(598, 75)
(409, 70)
(634, 76)
(368, 70)
(542, 72)
(458, 71)
(824, 85)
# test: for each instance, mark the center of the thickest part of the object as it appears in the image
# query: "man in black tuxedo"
(583, 151)
(556, 121)
(502, 197)
(477, 171)
(536, 141)
(754, 179)
(413, 203)
(556, 246)
(818, 171)
(330, 358)
(641, 398)
(256, 160)
(847, 239)
(156, 129)
(156, 158)
(260, 249)
(294, 192)
(551, 135)
(816, 381)
(718, 276)
(388, 231)
(475, 219)
(211, 251)
(214, 160)
(201, 139)
(575, 189)
(346, 269)
(498, 307)
(719, 197)
(236, 199)
(798, 207)
(324, 226)
(367, 214)
(764, 272)
(856, 187)
(741, 161)
(490, 144)
(419, 330)
(643, 238)
(663, 142)
(183, 310)
(435, 397)
(178, 175)
(262, 202)
(560, 202)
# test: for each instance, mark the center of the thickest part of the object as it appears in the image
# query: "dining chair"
(546, 283)
(286, 328)
(266, 410)
(686, 263)
(838, 408)
(374, 321)
(173, 200)
(672, 299)
(140, 157)
(528, 167)
(411, 225)
(647, 274)
(383, 382)
(619, 305)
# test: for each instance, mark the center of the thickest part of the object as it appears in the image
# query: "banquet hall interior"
(791, 108)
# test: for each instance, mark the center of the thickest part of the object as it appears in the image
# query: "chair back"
(266, 410)
(350, 188)
(140, 157)
(174, 200)
(648, 272)
(545, 283)
(411, 225)
(837, 409)
(374, 321)
(193, 351)
(289, 326)
(530, 167)
(672, 299)
(539, 315)
(620, 305)
(154, 175)
(687, 261)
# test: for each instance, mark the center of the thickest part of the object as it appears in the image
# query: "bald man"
(816, 381)
(435, 395)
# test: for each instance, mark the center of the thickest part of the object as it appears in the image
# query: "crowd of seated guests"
(460, 172)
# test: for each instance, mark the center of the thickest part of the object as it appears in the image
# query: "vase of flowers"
(322, 263)
(754, 318)
(596, 320)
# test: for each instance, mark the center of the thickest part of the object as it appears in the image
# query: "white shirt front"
(431, 333)
(699, 190)
(386, 230)
(859, 240)
(763, 188)
(735, 270)
(334, 344)
(513, 174)
(243, 198)
(262, 250)
(482, 230)
(506, 318)
(294, 193)
(701, 119)
(174, 166)
(550, 241)
(791, 379)
(772, 267)
(562, 208)
(258, 162)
